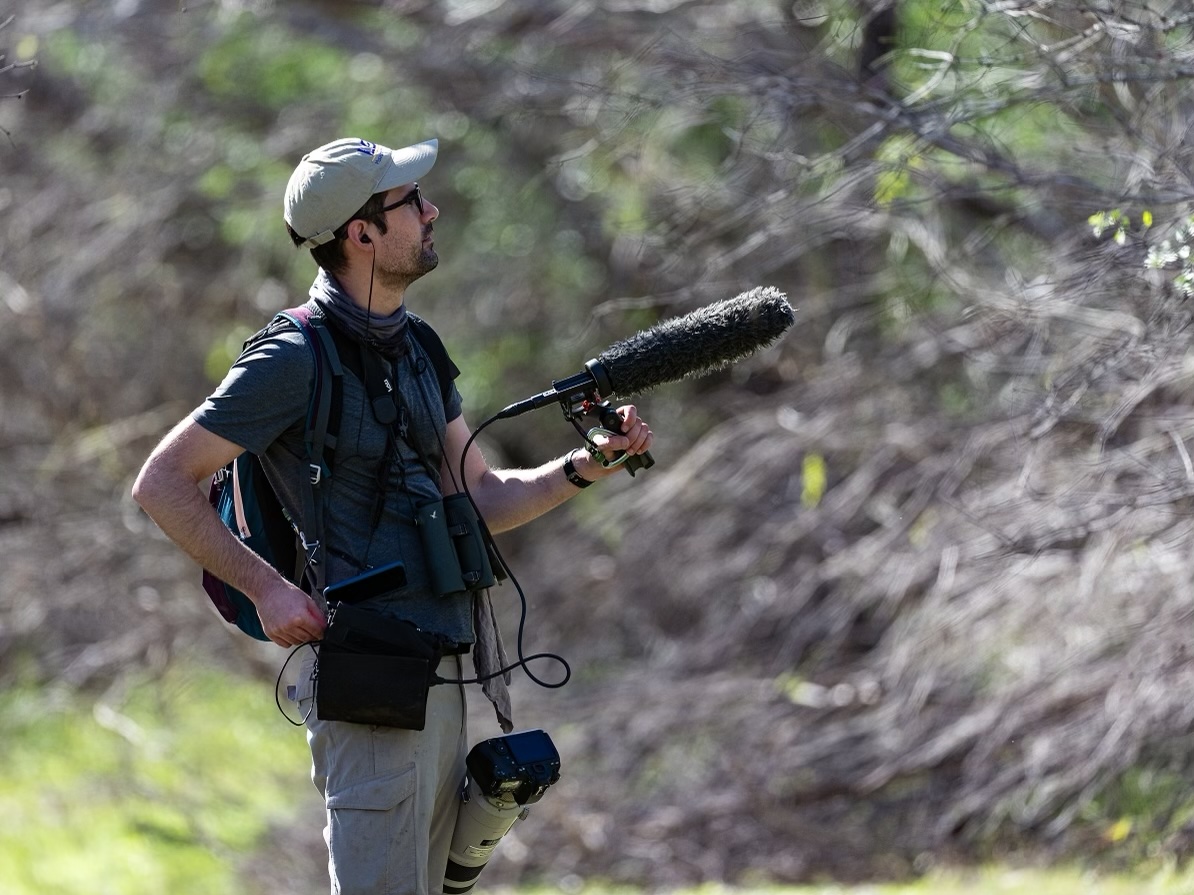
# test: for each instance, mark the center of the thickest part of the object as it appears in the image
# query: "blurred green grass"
(172, 784)
(161, 785)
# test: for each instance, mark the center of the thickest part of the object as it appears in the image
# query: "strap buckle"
(316, 473)
(310, 548)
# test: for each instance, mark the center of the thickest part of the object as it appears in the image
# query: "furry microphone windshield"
(695, 344)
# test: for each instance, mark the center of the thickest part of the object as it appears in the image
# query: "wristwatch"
(573, 476)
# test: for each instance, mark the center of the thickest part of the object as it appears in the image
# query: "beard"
(428, 260)
(396, 276)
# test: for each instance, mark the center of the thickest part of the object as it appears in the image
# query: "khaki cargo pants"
(391, 795)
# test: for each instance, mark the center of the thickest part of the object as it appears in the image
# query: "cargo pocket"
(371, 832)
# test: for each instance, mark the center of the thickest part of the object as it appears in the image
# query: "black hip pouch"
(374, 669)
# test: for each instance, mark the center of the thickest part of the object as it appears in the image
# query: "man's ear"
(357, 234)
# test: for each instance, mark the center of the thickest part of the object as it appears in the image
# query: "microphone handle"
(611, 421)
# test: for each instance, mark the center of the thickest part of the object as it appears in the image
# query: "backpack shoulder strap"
(320, 432)
(323, 412)
(445, 370)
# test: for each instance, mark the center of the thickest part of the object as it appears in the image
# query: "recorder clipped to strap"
(369, 584)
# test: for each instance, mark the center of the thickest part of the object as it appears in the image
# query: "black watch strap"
(573, 476)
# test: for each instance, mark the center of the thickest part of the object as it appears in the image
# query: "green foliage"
(705, 144)
(899, 156)
(1030, 131)
(487, 365)
(85, 61)
(982, 67)
(956, 399)
(163, 790)
(813, 480)
(935, 24)
(991, 880)
(1171, 253)
(271, 65)
(224, 351)
(577, 171)
(936, 42)
(843, 32)
(1142, 814)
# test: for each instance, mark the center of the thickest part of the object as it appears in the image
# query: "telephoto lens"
(482, 822)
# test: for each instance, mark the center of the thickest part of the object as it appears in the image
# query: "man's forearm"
(183, 513)
(508, 498)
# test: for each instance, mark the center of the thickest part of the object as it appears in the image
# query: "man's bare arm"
(508, 498)
(168, 489)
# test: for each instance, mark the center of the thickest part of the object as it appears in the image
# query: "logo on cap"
(366, 147)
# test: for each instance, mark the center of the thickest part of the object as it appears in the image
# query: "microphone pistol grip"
(611, 421)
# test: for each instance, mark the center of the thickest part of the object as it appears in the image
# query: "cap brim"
(408, 164)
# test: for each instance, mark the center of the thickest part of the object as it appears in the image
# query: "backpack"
(245, 501)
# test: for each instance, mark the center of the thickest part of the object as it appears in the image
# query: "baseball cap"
(331, 183)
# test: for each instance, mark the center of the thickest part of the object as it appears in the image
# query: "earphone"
(365, 238)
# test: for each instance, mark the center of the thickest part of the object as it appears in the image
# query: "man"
(392, 794)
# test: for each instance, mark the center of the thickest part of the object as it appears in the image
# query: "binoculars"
(456, 545)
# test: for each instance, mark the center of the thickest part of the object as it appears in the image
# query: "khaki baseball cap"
(332, 183)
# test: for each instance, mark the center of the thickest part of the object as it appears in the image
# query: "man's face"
(407, 249)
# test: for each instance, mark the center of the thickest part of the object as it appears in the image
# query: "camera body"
(519, 766)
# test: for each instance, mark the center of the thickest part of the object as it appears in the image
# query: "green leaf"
(814, 480)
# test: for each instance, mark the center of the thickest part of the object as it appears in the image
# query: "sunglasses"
(413, 196)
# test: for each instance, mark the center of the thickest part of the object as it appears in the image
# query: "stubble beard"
(428, 260)
(401, 277)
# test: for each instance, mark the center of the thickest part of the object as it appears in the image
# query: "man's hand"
(288, 616)
(636, 435)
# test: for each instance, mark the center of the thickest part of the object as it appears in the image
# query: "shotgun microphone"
(696, 344)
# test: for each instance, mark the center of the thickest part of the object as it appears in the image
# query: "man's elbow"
(169, 470)
(158, 483)
(143, 486)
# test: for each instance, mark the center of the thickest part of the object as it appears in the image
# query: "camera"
(505, 775)
(520, 766)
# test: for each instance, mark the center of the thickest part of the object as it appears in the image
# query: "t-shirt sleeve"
(430, 342)
(454, 405)
(264, 394)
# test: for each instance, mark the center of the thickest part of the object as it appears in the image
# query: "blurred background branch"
(7, 68)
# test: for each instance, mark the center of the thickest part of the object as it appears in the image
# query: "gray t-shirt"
(262, 405)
